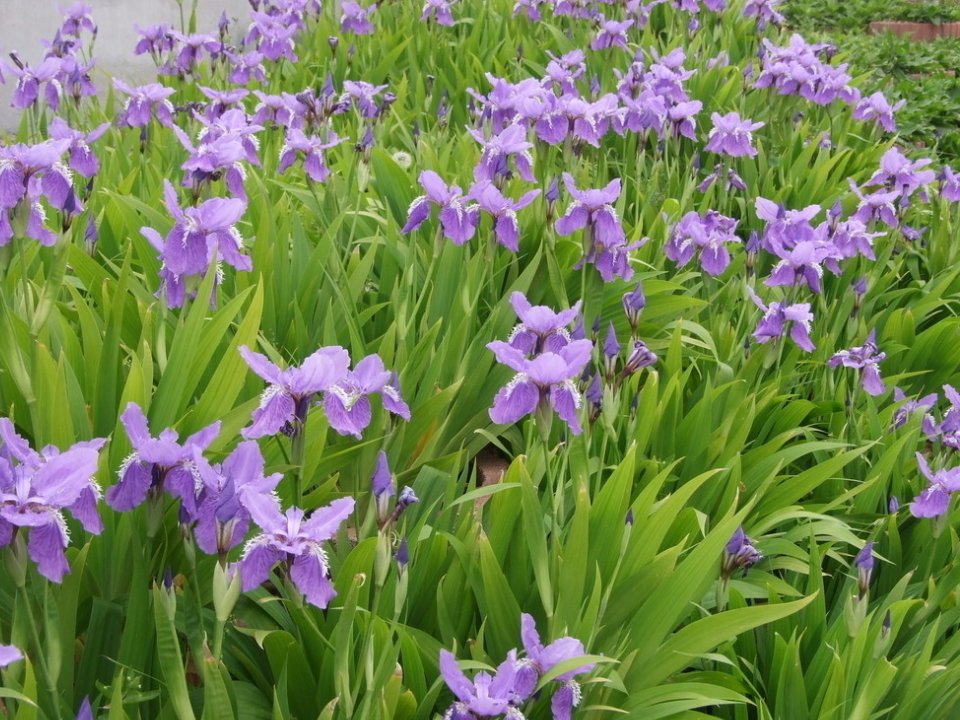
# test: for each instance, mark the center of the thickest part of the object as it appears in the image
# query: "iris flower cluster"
(345, 393)
(547, 363)
(504, 693)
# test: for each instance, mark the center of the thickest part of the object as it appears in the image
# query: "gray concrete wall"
(24, 23)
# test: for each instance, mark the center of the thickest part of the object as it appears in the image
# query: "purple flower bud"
(633, 304)
(739, 553)
(735, 181)
(382, 484)
(864, 563)
(578, 332)
(334, 42)
(629, 519)
(403, 554)
(91, 236)
(407, 497)
(894, 505)
(639, 358)
(887, 624)
(860, 286)
(611, 350)
(553, 190)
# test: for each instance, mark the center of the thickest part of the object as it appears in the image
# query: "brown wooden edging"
(919, 32)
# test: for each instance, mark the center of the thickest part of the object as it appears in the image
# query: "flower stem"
(297, 448)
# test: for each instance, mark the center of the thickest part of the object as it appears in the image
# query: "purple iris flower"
(507, 100)
(731, 135)
(797, 69)
(273, 36)
(439, 10)
(192, 49)
(582, 9)
(294, 540)
(247, 67)
(9, 654)
(27, 174)
(346, 403)
(214, 157)
(503, 210)
(222, 100)
(777, 316)
(865, 358)
(35, 489)
(785, 229)
(911, 406)
(541, 659)
(309, 109)
(606, 241)
(486, 696)
(641, 113)
(682, 118)
(934, 501)
(312, 148)
(458, 220)
(199, 236)
(732, 179)
(231, 125)
(876, 107)
(30, 80)
(75, 80)
(77, 18)
(156, 40)
(949, 429)
(803, 263)
(159, 463)
(356, 19)
(850, 238)
(543, 382)
(145, 102)
(82, 159)
(284, 404)
(899, 174)
(710, 234)
(878, 205)
(62, 45)
(720, 60)
(363, 95)
(273, 109)
(530, 8)
(949, 184)
(540, 328)
(765, 12)
(222, 519)
(612, 34)
(564, 71)
(511, 142)
(738, 554)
